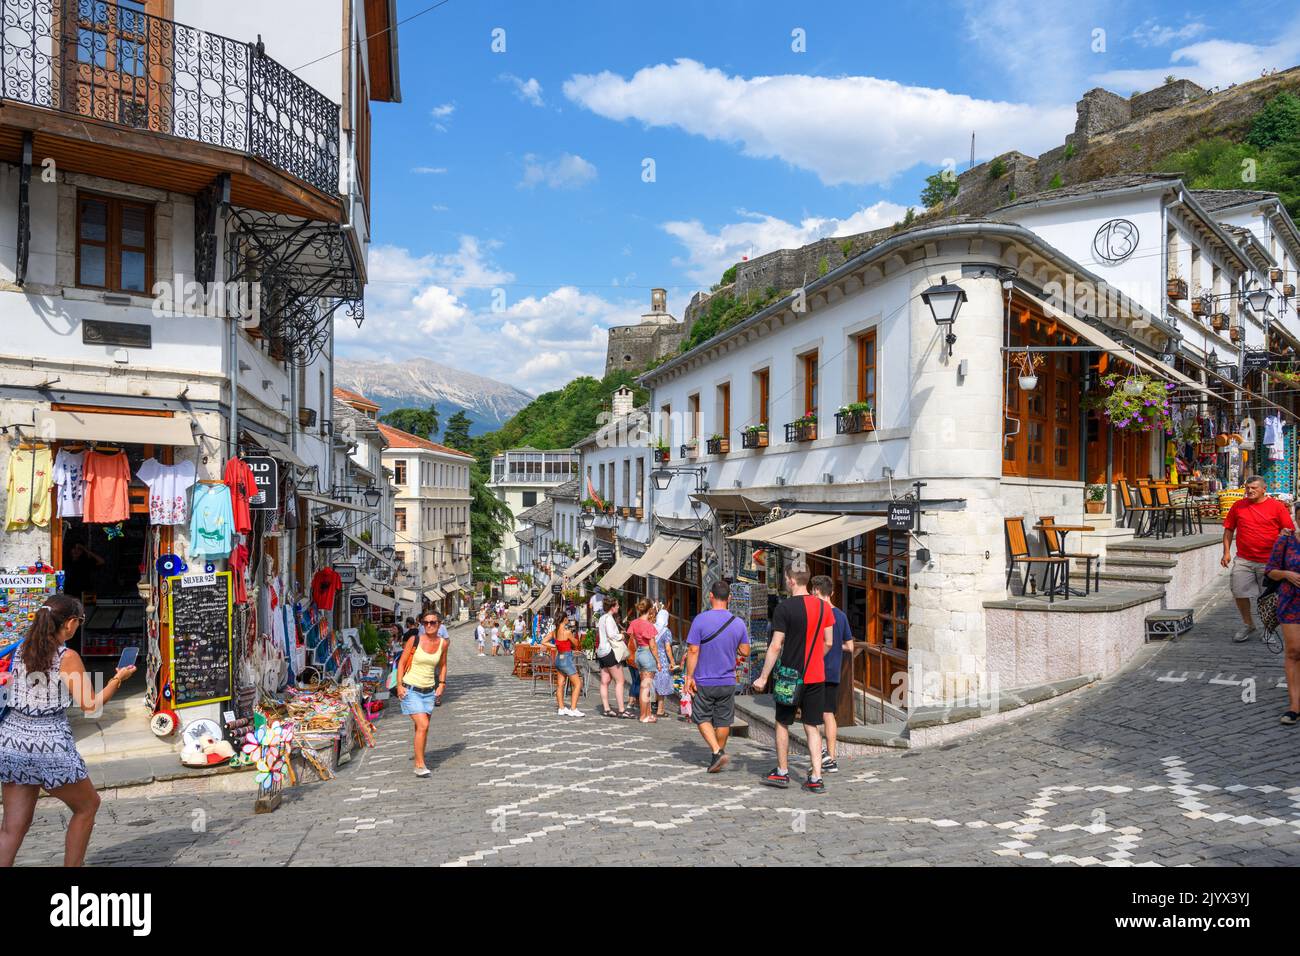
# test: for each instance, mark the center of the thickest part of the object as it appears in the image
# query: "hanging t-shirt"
(108, 475)
(28, 493)
(212, 526)
(169, 487)
(70, 477)
(239, 571)
(239, 479)
(324, 585)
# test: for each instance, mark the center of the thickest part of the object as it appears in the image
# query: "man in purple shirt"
(717, 642)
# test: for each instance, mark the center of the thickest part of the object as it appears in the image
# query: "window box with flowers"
(754, 436)
(1234, 333)
(1137, 403)
(1177, 289)
(855, 418)
(1200, 307)
(638, 513)
(1219, 321)
(1274, 275)
(690, 449)
(717, 445)
(662, 454)
(589, 505)
(802, 429)
(1288, 289)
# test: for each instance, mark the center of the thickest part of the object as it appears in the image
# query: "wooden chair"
(1018, 554)
(1182, 508)
(1054, 544)
(1131, 509)
(1149, 492)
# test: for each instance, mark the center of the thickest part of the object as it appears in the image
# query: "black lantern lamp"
(586, 521)
(388, 551)
(945, 301)
(1258, 300)
(663, 477)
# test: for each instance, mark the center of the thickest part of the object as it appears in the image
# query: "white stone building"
(519, 478)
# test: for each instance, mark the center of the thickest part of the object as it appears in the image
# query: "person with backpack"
(803, 630)
(421, 680)
(717, 641)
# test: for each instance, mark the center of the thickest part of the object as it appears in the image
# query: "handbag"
(787, 689)
(1267, 602)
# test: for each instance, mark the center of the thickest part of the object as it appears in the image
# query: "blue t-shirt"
(835, 656)
(716, 666)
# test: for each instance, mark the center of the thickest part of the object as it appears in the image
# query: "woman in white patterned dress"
(36, 745)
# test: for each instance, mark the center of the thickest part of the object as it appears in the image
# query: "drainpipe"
(234, 384)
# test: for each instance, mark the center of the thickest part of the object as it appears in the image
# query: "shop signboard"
(1256, 361)
(901, 516)
(199, 624)
(605, 555)
(557, 588)
(347, 573)
(266, 475)
(358, 602)
(329, 539)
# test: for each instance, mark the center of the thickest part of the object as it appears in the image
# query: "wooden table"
(1063, 530)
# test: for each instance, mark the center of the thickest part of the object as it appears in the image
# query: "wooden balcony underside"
(147, 158)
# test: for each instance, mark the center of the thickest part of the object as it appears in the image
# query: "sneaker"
(1242, 635)
(1290, 718)
(775, 778)
(422, 771)
(718, 762)
(814, 786)
(829, 765)
(574, 712)
(562, 712)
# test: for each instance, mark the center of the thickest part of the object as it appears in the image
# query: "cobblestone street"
(1165, 764)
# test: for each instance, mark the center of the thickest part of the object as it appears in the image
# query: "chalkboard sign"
(200, 625)
(1256, 361)
(557, 588)
(605, 555)
(901, 516)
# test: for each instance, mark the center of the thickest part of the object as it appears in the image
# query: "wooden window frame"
(112, 243)
(810, 381)
(399, 519)
(399, 472)
(868, 360)
(724, 408)
(764, 376)
(1039, 409)
(693, 417)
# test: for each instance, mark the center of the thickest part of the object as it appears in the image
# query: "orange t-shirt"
(107, 479)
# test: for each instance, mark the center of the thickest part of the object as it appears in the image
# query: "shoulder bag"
(718, 631)
(1266, 603)
(6, 658)
(617, 645)
(787, 689)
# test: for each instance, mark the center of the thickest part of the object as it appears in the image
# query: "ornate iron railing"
(116, 64)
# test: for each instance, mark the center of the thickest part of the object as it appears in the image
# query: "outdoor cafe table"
(1063, 530)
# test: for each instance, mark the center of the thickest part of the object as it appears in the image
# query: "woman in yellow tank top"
(421, 679)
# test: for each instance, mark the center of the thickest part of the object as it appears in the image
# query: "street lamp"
(1258, 300)
(663, 477)
(586, 521)
(372, 496)
(945, 301)
(388, 551)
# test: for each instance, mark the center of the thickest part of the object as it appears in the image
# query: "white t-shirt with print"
(70, 476)
(169, 487)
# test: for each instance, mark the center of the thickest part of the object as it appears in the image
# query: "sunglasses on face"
(429, 623)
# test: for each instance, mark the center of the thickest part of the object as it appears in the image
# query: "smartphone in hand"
(128, 658)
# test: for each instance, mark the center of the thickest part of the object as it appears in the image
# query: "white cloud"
(1153, 33)
(438, 207)
(567, 171)
(529, 90)
(1044, 48)
(1211, 63)
(436, 305)
(443, 111)
(849, 129)
(708, 253)
(429, 170)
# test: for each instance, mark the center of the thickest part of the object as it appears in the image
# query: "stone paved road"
(1168, 763)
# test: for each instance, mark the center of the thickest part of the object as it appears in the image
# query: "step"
(1169, 624)
(1136, 578)
(1129, 561)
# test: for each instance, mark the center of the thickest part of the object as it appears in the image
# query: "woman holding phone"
(36, 745)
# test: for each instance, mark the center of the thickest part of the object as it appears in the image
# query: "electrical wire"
(377, 33)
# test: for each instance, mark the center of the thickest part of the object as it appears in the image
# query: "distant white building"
(519, 478)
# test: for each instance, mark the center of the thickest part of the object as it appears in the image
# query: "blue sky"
(512, 222)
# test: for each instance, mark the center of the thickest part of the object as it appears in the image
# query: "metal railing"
(118, 65)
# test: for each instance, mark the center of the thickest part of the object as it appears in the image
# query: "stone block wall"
(633, 347)
(1164, 97)
(1099, 110)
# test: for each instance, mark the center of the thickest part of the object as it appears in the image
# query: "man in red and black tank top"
(802, 632)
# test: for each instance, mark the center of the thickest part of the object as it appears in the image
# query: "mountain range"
(421, 382)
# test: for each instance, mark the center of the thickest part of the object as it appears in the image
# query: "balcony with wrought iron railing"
(115, 64)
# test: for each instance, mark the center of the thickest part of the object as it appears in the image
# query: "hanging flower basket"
(1026, 365)
(1135, 403)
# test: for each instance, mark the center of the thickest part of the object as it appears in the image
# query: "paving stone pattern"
(1163, 765)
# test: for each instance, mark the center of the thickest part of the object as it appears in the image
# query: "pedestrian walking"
(37, 749)
(1255, 521)
(611, 651)
(802, 633)
(421, 681)
(480, 636)
(715, 644)
(562, 642)
(1284, 566)
(824, 588)
(519, 631)
(495, 633)
(642, 632)
(663, 683)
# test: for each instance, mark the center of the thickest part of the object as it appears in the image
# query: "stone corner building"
(633, 347)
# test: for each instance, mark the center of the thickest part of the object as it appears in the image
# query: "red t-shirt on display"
(1257, 527)
(324, 585)
(238, 568)
(239, 479)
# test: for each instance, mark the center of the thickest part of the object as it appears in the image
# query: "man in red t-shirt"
(803, 629)
(1256, 520)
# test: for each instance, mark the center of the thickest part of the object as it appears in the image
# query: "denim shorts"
(645, 659)
(414, 702)
(565, 665)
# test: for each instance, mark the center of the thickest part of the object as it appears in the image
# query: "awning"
(131, 429)
(732, 501)
(381, 600)
(774, 529)
(346, 505)
(839, 528)
(409, 596)
(539, 602)
(615, 576)
(678, 551)
(433, 594)
(275, 448)
(586, 572)
(365, 547)
(657, 551)
(579, 567)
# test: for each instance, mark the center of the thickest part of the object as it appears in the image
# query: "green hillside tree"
(456, 432)
(419, 422)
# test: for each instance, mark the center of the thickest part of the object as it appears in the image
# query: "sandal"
(606, 712)
(628, 715)
(1290, 718)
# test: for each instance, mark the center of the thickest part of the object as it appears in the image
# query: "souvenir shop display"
(749, 603)
(27, 498)
(200, 624)
(212, 522)
(238, 477)
(107, 476)
(21, 593)
(70, 479)
(169, 487)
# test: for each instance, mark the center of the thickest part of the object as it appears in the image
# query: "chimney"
(621, 404)
(658, 301)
